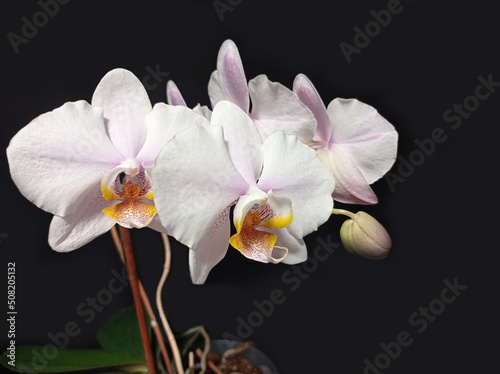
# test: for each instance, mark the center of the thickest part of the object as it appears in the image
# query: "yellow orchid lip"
(251, 239)
(131, 212)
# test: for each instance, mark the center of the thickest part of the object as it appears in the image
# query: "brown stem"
(134, 283)
(147, 305)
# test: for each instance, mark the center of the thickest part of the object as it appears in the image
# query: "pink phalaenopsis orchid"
(88, 164)
(280, 189)
(353, 139)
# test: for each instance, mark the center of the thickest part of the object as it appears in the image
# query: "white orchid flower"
(88, 164)
(353, 139)
(281, 189)
(274, 107)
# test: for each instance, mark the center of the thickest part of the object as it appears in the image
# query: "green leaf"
(123, 335)
(48, 359)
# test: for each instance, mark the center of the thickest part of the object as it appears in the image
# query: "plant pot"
(252, 354)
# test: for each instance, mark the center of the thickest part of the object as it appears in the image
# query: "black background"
(442, 218)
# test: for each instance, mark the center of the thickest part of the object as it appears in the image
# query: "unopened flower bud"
(364, 236)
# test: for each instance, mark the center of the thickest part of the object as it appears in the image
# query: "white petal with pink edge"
(174, 96)
(369, 138)
(350, 185)
(276, 108)
(231, 75)
(307, 93)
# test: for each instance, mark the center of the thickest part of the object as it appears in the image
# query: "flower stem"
(134, 283)
(159, 304)
(147, 305)
(343, 212)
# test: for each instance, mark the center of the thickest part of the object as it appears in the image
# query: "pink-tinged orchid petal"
(242, 139)
(60, 156)
(162, 124)
(174, 96)
(292, 169)
(84, 225)
(368, 138)
(307, 93)
(125, 103)
(193, 194)
(215, 91)
(231, 75)
(276, 108)
(350, 185)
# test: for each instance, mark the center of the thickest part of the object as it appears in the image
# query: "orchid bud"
(364, 236)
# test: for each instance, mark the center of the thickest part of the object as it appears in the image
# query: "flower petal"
(215, 91)
(195, 183)
(369, 138)
(232, 76)
(163, 123)
(292, 169)
(276, 108)
(350, 185)
(242, 139)
(307, 93)
(125, 103)
(156, 225)
(174, 96)
(59, 156)
(203, 110)
(211, 248)
(88, 222)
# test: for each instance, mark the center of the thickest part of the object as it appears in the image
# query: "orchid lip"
(256, 212)
(129, 184)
